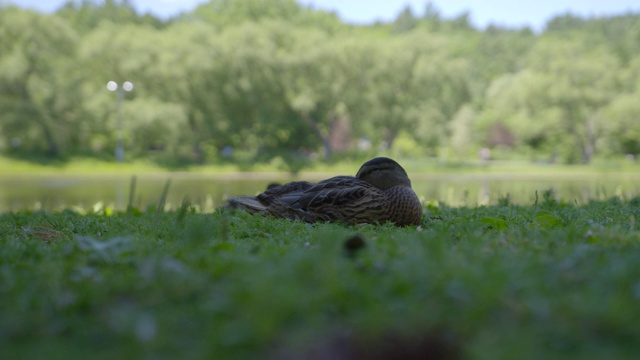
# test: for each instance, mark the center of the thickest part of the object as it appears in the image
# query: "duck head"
(383, 173)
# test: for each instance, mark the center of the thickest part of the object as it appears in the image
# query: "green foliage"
(552, 280)
(556, 102)
(623, 129)
(39, 92)
(86, 15)
(278, 80)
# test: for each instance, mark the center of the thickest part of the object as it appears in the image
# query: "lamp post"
(126, 86)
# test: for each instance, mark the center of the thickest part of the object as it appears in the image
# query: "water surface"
(210, 191)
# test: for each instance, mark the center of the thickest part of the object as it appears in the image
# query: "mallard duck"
(380, 192)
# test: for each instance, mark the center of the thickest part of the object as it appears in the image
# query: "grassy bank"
(85, 166)
(549, 280)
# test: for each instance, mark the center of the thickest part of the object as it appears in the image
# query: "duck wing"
(276, 193)
(260, 203)
(247, 203)
(341, 198)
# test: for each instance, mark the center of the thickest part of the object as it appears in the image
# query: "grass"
(93, 166)
(551, 280)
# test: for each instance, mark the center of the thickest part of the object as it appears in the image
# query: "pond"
(209, 191)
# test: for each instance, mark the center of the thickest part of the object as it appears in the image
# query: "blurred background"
(479, 101)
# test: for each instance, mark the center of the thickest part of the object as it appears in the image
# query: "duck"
(380, 192)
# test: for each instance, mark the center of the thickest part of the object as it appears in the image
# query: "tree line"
(258, 80)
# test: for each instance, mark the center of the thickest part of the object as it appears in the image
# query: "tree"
(622, 128)
(225, 13)
(327, 83)
(158, 126)
(556, 102)
(86, 15)
(39, 89)
(418, 84)
(277, 78)
(405, 21)
(497, 52)
(461, 129)
(581, 80)
(249, 91)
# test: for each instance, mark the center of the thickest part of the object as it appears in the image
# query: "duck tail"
(247, 203)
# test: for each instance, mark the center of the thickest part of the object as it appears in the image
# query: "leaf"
(494, 223)
(548, 221)
(222, 246)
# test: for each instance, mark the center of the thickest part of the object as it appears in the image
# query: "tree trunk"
(52, 148)
(589, 144)
(390, 137)
(326, 143)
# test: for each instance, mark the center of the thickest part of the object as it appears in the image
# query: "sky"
(532, 13)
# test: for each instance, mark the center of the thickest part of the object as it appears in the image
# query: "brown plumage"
(380, 192)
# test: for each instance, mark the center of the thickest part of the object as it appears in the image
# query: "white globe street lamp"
(126, 86)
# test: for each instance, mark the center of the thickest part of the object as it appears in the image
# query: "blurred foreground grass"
(551, 280)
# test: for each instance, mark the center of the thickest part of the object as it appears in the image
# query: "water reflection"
(209, 192)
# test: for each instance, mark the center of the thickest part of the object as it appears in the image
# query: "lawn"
(416, 165)
(550, 280)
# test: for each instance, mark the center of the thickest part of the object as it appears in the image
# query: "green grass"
(551, 280)
(421, 165)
